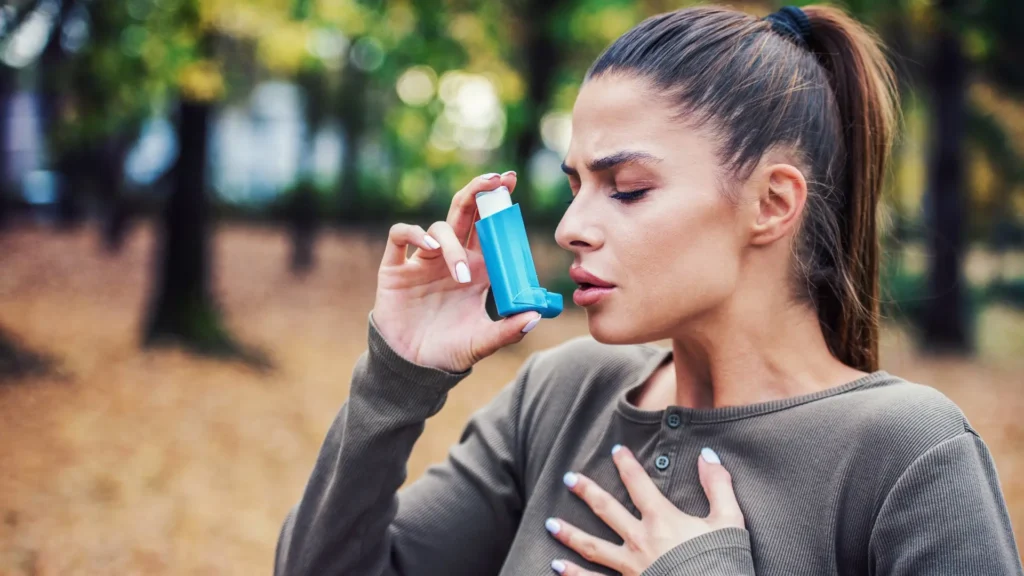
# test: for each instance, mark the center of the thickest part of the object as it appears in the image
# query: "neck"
(753, 351)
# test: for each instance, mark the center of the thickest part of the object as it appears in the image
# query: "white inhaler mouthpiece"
(492, 201)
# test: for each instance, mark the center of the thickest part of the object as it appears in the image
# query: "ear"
(780, 202)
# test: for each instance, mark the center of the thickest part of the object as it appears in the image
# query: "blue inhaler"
(508, 258)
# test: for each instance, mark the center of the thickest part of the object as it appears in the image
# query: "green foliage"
(390, 74)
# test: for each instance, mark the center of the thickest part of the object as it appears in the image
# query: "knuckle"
(588, 549)
(396, 229)
(629, 468)
(599, 503)
(724, 475)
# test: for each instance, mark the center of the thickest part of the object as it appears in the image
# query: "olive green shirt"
(878, 476)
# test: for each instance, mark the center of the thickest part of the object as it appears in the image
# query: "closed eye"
(632, 196)
(624, 197)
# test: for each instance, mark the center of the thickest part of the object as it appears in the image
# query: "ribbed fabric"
(878, 476)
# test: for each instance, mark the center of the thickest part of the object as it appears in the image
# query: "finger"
(402, 235)
(462, 211)
(454, 254)
(508, 180)
(604, 505)
(569, 569)
(717, 483)
(586, 545)
(644, 493)
(501, 333)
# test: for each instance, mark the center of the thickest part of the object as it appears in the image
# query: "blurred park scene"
(195, 194)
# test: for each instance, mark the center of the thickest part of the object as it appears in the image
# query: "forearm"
(341, 524)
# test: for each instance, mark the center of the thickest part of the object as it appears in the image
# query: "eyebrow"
(609, 162)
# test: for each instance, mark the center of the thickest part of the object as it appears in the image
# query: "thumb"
(501, 333)
(717, 483)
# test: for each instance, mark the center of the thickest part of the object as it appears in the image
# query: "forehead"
(615, 111)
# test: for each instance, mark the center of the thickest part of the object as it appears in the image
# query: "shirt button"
(674, 420)
(661, 462)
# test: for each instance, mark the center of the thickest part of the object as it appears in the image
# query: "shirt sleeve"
(946, 516)
(724, 552)
(458, 519)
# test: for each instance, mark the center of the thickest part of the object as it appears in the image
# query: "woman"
(726, 173)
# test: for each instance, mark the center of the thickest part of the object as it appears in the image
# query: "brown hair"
(830, 98)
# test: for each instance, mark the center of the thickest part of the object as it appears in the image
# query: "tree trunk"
(303, 225)
(303, 211)
(67, 163)
(6, 90)
(183, 307)
(946, 321)
(352, 114)
(541, 58)
(110, 187)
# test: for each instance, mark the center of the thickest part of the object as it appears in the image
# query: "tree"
(945, 324)
(6, 90)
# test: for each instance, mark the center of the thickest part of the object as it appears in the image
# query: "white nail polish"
(709, 456)
(552, 525)
(490, 175)
(531, 325)
(570, 479)
(462, 272)
(558, 566)
(431, 242)
(616, 448)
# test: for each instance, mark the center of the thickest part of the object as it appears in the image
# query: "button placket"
(664, 451)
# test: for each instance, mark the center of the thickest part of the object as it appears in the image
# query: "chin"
(609, 328)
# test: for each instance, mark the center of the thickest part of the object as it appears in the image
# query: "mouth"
(591, 288)
(585, 279)
(589, 294)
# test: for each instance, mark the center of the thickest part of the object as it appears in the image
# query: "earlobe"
(780, 202)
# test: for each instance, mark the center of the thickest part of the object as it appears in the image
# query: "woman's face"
(672, 253)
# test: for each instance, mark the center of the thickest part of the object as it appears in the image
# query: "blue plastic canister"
(508, 258)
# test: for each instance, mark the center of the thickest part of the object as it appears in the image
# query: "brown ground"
(157, 462)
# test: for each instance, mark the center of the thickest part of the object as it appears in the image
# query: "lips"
(592, 289)
(586, 279)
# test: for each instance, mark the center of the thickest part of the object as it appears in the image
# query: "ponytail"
(865, 94)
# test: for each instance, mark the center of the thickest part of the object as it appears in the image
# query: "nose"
(577, 232)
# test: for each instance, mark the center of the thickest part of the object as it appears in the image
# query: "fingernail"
(558, 566)
(709, 456)
(490, 175)
(616, 448)
(552, 525)
(431, 242)
(570, 479)
(531, 325)
(462, 272)
(512, 172)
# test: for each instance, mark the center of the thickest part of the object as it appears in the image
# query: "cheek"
(685, 258)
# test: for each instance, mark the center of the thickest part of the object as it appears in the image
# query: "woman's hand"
(430, 306)
(661, 527)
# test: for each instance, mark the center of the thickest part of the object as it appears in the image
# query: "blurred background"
(194, 197)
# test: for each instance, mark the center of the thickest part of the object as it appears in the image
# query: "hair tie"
(792, 23)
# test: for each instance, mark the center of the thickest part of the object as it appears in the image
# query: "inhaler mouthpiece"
(492, 201)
